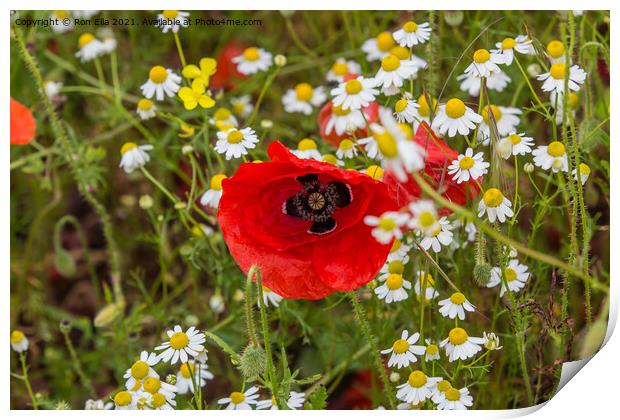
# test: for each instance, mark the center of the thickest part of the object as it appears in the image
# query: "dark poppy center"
(318, 201)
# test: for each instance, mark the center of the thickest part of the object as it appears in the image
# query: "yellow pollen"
(457, 336)
(401, 52)
(417, 379)
(158, 400)
(139, 369)
(466, 162)
(237, 397)
(345, 145)
(508, 43)
(238, 107)
(400, 105)
(137, 385)
(394, 281)
(424, 110)
(396, 244)
(457, 298)
(145, 104)
(216, 181)
(573, 100)
(453, 394)
(152, 385)
(396, 267)
(307, 144)
(340, 68)
(556, 149)
(179, 340)
(187, 369)
(557, 71)
(170, 14)
(400, 346)
(455, 108)
(273, 400)
(376, 172)
(493, 197)
(406, 128)
(122, 398)
(387, 224)
(353, 87)
(304, 92)
(510, 274)
(426, 219)
(158, 74)
(555, 49)
(390, 63)
(410, 26)
(481, 56)
(385, 41)
(444, 385)
(337, 110)
(17, 336)
(127, 147)
(222, 114)
(584, 169)
(430, 281)
(497, 113)
(387, 144)
(329, 158)
(85, 39)
(234, 137)
(432, 349)
(514, 138)
(251, 54)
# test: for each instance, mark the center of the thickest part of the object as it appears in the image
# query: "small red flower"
(438, 157)
(301, 222)
(23, 124)
(227, 74)
(326, 113)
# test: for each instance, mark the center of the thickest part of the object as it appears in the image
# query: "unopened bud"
(482, 274)
(280, 60)
(528, 168)
(534, 70)
(253, 362)
(145, 202)
(187, 149)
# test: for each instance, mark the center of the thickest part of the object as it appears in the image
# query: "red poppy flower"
(23, 124)
(226, 73)
(301, 222)
(438, 157)
(326, 113)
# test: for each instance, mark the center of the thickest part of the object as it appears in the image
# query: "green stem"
(22, 359)
(534, 94)
(249, 310)
(177, 41)
(261, 95)
(77, 365)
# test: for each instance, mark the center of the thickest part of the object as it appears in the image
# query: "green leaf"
(318, 399)
(64, 263)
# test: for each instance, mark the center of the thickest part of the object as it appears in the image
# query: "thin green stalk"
(261, 95)
(159, 185)
(177, 41)
(22, 359)
(529, 84)
(249, 311)
(77, 365)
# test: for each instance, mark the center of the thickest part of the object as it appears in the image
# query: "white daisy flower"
(468, 166)
(455, 305)
(424, 217)
(398, 251)
(19, 341)
(235, 143)
(379, 47)
(553, 156)
(557, 102)
(430, 292)
(295, 400)
(52, 88)
(108, 39)
(145, 109)
(341, 68)
(185, 383)
(553, 80)
(162, 82)
(555, 52)
(242, 106)
(371, 147)
(346, 149)
(495, 205)
(485, 63)
(307, 149)
(127, 400)
(412, 34)
(439, 393)
(387, 226)
(393, 73)
(460, 346)
(515, 275)
(329, 158)
(584, 172)
(269, 296)
(141, 370)
(442, 236)
(405, 109)
(454, 117)
(155, 386)
(417, 389)
(344, 121)
(90, 47)
(172, 20)
(98, 405)
(431, 352)
(403, 351)
(240, 400)
(134, 156)
(515, 144)
(506, 119)
(303, 98)
(507, 47)
(492, 341)
(211, 197)
(423, 112)
(61, 27)
(253, 60)
(393, 287)
(470, 83)
(456, 399)
(181, 344)
(355, 93)
(223, 119)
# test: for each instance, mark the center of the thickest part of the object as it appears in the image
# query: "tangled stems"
(24, 377)
(261, 95)
(74, 359)
(370, 338)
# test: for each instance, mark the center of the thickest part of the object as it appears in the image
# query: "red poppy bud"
(23, 124)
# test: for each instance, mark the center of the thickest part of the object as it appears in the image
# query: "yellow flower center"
(345, 145)
(497, 113)
(122, 398)
(555, 49)
(85, 39)
(158, 400)
(573, 100)
(400, 346)
(466, 162)
(400, 105)
(304, 92)
(410, 26)
(394, 281)
(556, 149)
(338, 111)
(453, 394)
(510, 274)
(430, 281)
(340, 68)
(432, 349)
(216, 181)
(426, 219)
(375, 172)
(457, 298)
(444, 385)
(401, 53)
(557, 71)
(455, 108)
(145, 104)
(237, 397)
(170, 14)
(239, 107)
(139, 369)
(251, 54)
(127, 147)
(493, 197)
(187, 369)
(390, 63)
(387, 144)
(417, 379)
(387, 223)
(385, 41)
(457, 336)
(584, 169)
(353, 87)
(329, 158)
(396, 244)
(234, 137)
(508, 43)
(514, 138)
(424, 110)
(17, 336)
(481, 56)
(396, 267)
(307, 144)
(179, 340)
(222, 114)
(152, 385)
(137, 385)
(158, 74)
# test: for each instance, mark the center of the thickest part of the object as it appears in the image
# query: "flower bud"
(107, 315)
(266, 124)
(534, 70)
(280, 60)
(528, 168)
(394, 377)
(65, 326)
(453, 17)
(253, 362)
(191, 319)
(171, 379)
(216, 303)
(482, 274)
(145, 202)
(187, 149)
